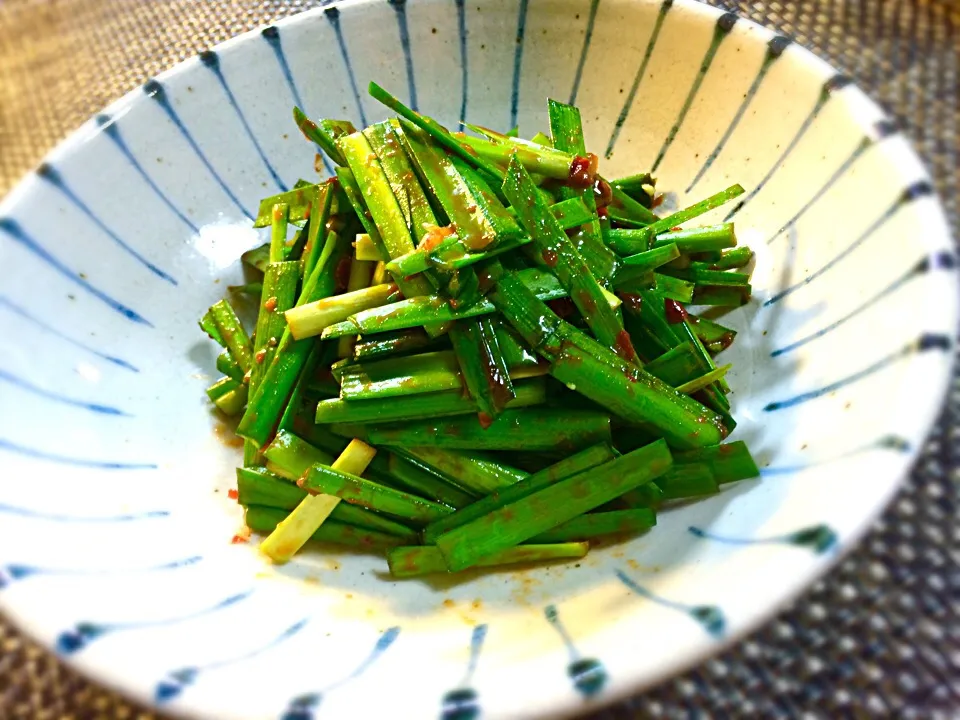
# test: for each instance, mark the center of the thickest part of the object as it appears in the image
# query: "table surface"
(880, 636)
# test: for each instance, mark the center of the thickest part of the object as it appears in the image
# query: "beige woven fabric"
(879, 637)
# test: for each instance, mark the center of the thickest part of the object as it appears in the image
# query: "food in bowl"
(474, 350)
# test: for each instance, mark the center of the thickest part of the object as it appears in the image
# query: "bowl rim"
(927, 410)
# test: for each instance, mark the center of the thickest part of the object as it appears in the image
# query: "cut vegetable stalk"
(313, 318)
(235, 338)
(483, 366)
(265, 519)
(278, 232)
(600, 524)
(526, 518)
(303, 522)
(416, 561)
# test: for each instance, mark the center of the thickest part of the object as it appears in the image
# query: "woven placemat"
(879, 637)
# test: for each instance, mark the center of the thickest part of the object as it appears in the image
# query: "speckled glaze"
(115, 524)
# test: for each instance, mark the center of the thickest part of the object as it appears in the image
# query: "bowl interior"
(115, 472)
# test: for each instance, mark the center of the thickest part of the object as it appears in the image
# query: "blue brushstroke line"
(178, 680)
(333, 15)
(775, 49)
(55, 517)
(46, 394)
(272, 36)
(212, 61)
(15, 572)
(13, 229)
(82, 634)
(78, 462)
(588, 674)
(588, 35)
(819, 538)
(303, 706)
(109, 126)
(926, 342)
(517, 61)
(710, 617)
(916, 191)
(153, 89)
(836, 82)
(638, 78)
(400, 7)
(887, 442)
(883, 129)
(462, 703)
(920, 268)
(477, 637)
(52, 175)
(13, 307)
(724, 25)
(464, 74)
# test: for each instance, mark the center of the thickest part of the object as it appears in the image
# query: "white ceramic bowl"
(115, 524)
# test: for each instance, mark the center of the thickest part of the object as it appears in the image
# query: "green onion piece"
(348, 183)
(392, 343)
(700, 239)
(366, 249)
(474, 472)
(424, 481)
(371, 495)
(526, 429)
(326, 136)
(265, 519)
(601, 524)
(291, 534)
(411, 375)
(280, 284)
(259, 486)
(278, 232)
(732, 259)
(726, 296)
(234, 336)
(674, 288)
(537, 159)
(484, 369)
(557, 252)
(228, 366)
(415, 561)
(695, 210)
(728, 462)
(558, 503)
(301, 202)
(313, 318)
(415, 407)
(254, 289)
(652, 259)
(584, 460)
(692, 386)
(228, 395)
(627, 211)
(210, 328)
(682, 482)
(258, 257)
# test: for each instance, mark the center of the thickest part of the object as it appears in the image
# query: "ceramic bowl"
(115, 524)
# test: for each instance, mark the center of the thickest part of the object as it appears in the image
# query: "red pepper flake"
(602, 212)
(676, 313)
(434, 236)
(260, 356)
(676, 228)
(549, 257)
(624, 346)
(657, 201)
(602, 192)
(582, 171)
(271, 304)
(485, 420)
(238, 539)
(632, 301)
(306, 210)
(233, 494)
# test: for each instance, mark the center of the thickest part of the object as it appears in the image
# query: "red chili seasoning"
(624, 346)
(602, 212)
(233, 494)
(435, 236)
(485, 420)
(657, 201)
(676, 228)
(602, 192)
(270, 304)
(549, 257)
(260, 356)
(580, 174)
(676, 313)
(238, 539)
(632, 301)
